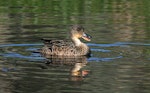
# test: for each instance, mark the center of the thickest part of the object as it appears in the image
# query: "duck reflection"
(77, 74)
(76, 65)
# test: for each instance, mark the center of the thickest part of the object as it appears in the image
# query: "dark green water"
(120, 59)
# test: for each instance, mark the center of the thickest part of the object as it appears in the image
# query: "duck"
(72, 47)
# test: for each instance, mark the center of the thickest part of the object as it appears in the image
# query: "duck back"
(63, 48)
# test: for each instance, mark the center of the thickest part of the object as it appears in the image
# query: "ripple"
(16, 54)
(103, 59)
(100, 50)
(118, 44)
(107, 50)
(34, 57)
(12, 45)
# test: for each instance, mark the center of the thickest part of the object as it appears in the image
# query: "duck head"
(77, 31)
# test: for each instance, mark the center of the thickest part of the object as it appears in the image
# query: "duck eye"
(77, 28)
(80, 28)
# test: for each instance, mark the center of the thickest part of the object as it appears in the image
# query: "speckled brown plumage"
(73, 47)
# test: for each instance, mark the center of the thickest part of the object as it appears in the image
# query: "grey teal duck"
(73, 47)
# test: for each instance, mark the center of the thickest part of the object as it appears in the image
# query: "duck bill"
(86, 37)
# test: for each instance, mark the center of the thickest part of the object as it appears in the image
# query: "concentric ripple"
(100, 52)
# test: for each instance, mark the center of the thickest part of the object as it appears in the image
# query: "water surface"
(120, 46)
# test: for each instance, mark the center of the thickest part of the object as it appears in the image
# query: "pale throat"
(76, 41)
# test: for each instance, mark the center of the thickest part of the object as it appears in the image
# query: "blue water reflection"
(122, 44)
(95, 48)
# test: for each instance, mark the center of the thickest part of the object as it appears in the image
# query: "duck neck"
(76, 41)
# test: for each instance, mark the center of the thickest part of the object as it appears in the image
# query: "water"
(120, 46)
